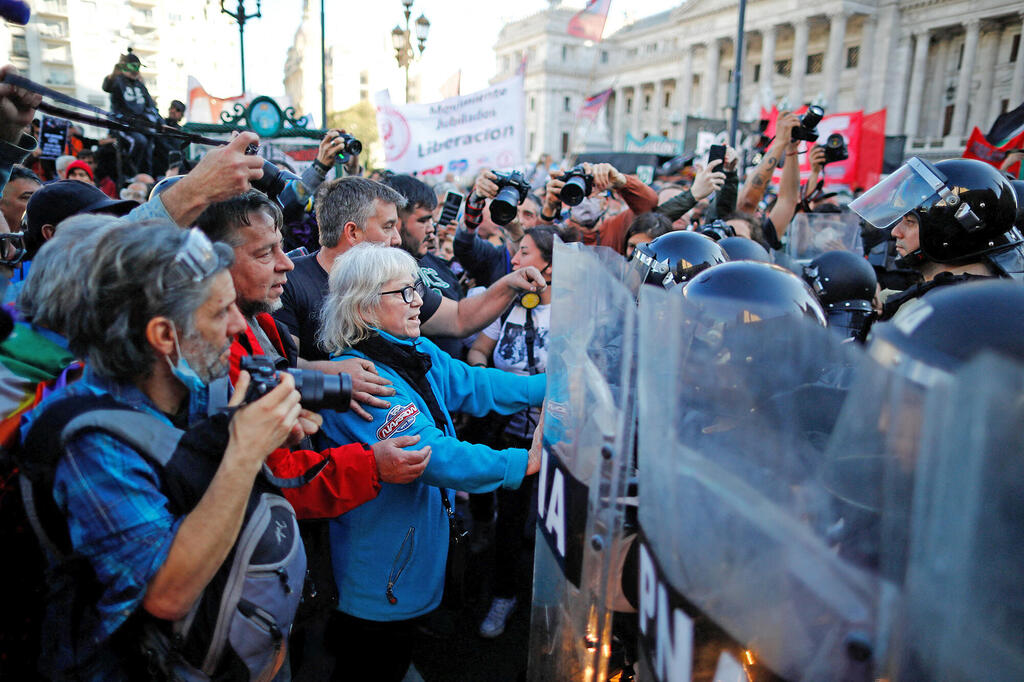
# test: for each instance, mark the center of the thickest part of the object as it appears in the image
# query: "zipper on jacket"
(400, 564)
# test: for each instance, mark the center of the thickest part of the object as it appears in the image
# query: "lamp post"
(402, 41)
(241, 17)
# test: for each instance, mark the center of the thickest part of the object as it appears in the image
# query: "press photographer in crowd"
(587, 182)
(151, 513)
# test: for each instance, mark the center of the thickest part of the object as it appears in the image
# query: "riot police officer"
(953, 222)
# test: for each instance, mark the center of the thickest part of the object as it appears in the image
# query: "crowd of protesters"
(153, 303)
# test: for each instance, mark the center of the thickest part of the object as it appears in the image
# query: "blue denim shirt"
(117, 516)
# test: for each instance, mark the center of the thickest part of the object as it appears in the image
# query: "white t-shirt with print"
(511, 355)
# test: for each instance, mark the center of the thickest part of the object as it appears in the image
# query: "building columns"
(983, 102)
(619, 124)
(685, 85)
(768, 37)
(917, 79)
(712, 64)
(866, 61)
(799, 69)
(963, 87)
(655, 115)
(937, 97)
(835, 59)
(637, 104)
(1017, 81)
(896, 90)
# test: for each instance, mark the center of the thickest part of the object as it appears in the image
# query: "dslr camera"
(717, 229)
(283, 187)
(351, 146)
(808, 128)
(835, 148)
(512, 191)
(319, 391)
(578, 185)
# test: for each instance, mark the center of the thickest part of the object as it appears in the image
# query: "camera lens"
(321, 391)
(574, 191)
(835, 141)
(354, 146)
(812, 118)
(271, 183)
(504, 205)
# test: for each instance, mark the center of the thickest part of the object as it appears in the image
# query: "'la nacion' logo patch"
(400, 418)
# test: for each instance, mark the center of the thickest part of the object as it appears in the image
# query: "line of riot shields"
(738, 497)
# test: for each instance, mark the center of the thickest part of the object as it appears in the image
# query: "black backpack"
(238, 627)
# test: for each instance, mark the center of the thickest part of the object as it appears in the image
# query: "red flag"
(589, 21)
(592, 105)
(980, 148)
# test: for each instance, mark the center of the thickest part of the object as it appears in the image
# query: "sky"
(462, 35)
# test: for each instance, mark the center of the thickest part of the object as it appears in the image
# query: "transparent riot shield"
(740, 576)
(588, 437)
(963, 597)
(812, 234)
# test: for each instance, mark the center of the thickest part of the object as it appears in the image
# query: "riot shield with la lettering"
(740, 573)
(588, 437)
(962, 615)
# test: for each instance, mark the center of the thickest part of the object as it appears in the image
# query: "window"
(815, 62)
(19, 46)
(757, 73)
(567, 104)
(631, 52)
(647, 102)
(565, 53)
(504, 64)
(532, 140)
(364, 78)
(604, 56)
(960, 58)
(629, 105)
(533, 103)
(1004, 106)
(783, 67)
(668, 99)
(1015, 48)
(852, 57)
(565, 143)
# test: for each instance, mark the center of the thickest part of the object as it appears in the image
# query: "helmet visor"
(915, 184)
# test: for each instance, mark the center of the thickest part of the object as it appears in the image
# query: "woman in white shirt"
(517, 342)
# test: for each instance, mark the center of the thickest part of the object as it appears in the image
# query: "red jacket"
(611, 232)
(350, 477)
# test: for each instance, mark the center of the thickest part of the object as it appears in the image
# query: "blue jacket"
(402, 534)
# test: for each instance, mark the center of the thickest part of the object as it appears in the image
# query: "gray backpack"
(239, 626)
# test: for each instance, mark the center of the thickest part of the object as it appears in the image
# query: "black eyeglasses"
(417, 287)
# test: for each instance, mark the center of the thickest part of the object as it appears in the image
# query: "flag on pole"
(1007, 127)
(453, 86)
(205, 108)
(592, 105)
(978, 147)
(521, 70)
(589, 21)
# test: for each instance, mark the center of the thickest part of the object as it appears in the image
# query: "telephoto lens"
(321, 391)
(505, 205)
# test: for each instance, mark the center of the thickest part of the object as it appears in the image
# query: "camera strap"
(105, 119)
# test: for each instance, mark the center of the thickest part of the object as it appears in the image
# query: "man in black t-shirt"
(352, 210)
(416, 229)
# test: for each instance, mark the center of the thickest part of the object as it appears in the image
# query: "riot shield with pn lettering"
(963, 613)
(588, 436)
(739, 576)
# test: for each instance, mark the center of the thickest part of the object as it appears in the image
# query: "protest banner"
(455, 135)
(865, 142)
(53, 137)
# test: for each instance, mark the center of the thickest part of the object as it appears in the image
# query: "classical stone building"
(938, 67)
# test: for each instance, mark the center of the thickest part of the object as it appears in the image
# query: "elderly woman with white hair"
(389, 554)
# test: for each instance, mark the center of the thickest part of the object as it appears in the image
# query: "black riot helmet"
(1018, 190)
(741, 248)
(677, 257)
(951, 325)
(748, 291)
(845, 285)
(965, 209)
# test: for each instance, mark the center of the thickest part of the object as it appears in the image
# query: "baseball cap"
(56, 201)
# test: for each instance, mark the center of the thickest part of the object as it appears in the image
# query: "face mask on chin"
(193, 380)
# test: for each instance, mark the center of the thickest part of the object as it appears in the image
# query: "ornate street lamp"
(241, 17)
(401, 40)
